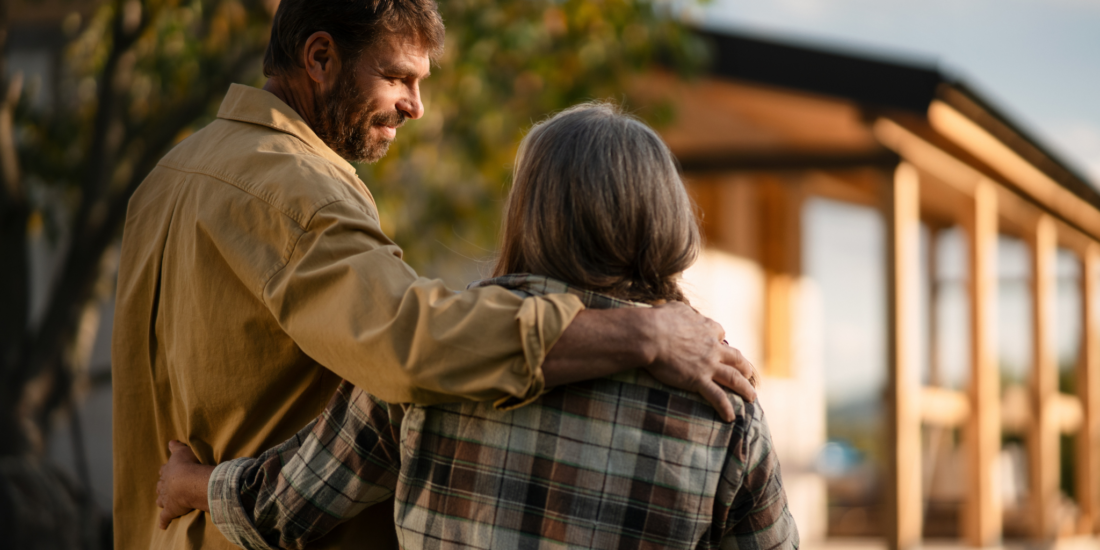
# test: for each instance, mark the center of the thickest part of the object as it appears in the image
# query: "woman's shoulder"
(641, 378)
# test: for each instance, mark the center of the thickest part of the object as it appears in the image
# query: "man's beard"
(344, 120)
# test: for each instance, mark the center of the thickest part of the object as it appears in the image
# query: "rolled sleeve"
(343, 463)
(349, 301)
(541, 322)
(227, 512)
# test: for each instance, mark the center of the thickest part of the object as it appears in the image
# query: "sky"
(1038, 60)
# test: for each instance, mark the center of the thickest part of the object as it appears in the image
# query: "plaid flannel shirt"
(620, 462)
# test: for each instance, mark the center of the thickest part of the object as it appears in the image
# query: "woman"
(597, 209)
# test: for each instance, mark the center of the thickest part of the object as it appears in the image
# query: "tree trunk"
(14, 278)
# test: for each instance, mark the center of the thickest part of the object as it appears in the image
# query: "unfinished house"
(773, 126)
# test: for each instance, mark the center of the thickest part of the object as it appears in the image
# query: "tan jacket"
(254, 276)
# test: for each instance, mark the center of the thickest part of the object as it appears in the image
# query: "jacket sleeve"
(340, 464)
(349, 301)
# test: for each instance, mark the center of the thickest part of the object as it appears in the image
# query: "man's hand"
(691, 354)
(182, 484)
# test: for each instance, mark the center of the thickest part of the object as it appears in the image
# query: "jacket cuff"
(227, 512)
(542, 320)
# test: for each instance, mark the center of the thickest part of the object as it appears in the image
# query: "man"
(255, 276)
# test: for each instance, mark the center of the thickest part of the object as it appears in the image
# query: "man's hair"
(597, 202)
(355, 25)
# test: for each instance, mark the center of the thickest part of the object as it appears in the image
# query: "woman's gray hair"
(597, 202)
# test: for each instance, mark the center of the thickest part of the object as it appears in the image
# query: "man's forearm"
(601, 342)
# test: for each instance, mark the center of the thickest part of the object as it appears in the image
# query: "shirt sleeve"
(751, 503)
(343, 462)
(349, 301)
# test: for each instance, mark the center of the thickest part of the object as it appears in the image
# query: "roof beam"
(1023, 175)
(706, 163)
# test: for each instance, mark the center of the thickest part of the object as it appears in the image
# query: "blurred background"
(868, 175)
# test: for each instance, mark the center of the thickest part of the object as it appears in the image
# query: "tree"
(143, 74)
(506, 65)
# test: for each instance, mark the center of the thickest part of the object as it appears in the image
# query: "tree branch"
(12, 188)
(74, 286)
(102, 154)
(14, 213)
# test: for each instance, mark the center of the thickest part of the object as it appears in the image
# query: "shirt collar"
(255, 106)
(527, 284)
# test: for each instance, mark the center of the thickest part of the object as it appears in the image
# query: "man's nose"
(410, 105)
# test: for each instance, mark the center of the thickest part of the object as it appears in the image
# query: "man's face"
(359, 115)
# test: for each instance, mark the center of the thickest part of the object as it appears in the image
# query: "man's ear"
(320, 58)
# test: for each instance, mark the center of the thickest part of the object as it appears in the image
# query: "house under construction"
(773, 125)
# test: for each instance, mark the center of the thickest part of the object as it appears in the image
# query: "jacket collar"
(255, 106)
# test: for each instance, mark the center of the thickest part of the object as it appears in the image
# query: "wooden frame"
(982, 515)
(1088, 390)
(902, 214)
(951, 170)
(1043, 434)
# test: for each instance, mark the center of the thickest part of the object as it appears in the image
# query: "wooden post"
(935, 369)
(780, 214)
(1088, 389)
(982, 514)
(936, 434)
(1043, 434)
(903, 490)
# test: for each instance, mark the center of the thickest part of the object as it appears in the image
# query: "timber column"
(904, 518)
(1088, 389)
(982, 514)
(1043, 433)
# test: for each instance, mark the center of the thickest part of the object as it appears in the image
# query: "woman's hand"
(182, 484)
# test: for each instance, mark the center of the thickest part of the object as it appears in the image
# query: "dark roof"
(879, 84)
(866, 81)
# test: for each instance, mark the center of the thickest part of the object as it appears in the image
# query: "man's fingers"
(732, 356)
(721, 331)
(737, 382)
(164, 519)
(743, 387)
(717, 398)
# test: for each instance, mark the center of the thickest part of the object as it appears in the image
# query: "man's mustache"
(392, 118)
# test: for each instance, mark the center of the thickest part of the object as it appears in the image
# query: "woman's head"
(596, 202)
